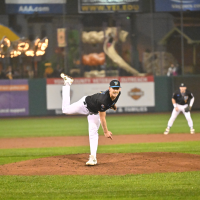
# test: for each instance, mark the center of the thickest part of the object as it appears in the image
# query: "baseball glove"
(187, 109)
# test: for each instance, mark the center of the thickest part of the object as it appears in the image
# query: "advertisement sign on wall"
(176, 5)
(14, 98)
(34, 6)
(137, 92)
(107, 6)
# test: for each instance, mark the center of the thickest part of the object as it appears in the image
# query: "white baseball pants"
(80, 108)
(181, 108)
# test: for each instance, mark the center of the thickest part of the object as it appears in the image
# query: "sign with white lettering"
(35, 6)
(109, 6)
(176, 5)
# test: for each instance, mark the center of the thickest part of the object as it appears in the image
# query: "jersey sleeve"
(174, 95)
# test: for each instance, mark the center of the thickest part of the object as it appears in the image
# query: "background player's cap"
(114, 83)
(182, 85)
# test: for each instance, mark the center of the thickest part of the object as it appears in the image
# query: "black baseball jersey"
(100, 101)
(182, 99)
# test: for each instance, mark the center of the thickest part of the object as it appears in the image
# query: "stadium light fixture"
(37, 48)
(4, 46)
(41, 46)
(14, 53)
(32, 48)
(23, 44)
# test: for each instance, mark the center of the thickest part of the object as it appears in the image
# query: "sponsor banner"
(109, 6)
(131, 110)
(176, 5)
(125, 79)
(137, 92)
(35, 6)
(14, 98)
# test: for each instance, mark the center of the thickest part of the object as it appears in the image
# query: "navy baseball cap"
(182, 85)
(114, 84)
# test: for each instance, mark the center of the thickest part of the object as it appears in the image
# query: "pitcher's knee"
(93, 131)
(188, 120)
(66, 111)
(93, 136)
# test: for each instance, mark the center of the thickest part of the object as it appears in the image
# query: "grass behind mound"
(162, 186)
(75, 126)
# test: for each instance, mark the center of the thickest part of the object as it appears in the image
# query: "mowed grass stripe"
(74, 126)
(167, 186)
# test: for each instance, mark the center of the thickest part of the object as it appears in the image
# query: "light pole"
(152, 39)
(182, 42)
(65, 48)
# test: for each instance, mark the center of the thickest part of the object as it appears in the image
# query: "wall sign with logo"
(35, 6)
(137, 92)
(107, 6)
(176, 5)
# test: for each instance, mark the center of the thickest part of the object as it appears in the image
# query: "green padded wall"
(163, 93)
(37, 97)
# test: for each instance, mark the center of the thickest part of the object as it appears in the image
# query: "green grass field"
(147, 186)
(118, 124)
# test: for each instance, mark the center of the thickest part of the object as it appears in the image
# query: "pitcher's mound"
(108, 164)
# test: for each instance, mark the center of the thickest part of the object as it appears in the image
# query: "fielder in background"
(182, 101)
(94, 107)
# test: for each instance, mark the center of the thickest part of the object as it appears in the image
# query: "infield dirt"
(108, 164)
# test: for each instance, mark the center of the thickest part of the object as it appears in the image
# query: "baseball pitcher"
(94, 107)
(182, 101)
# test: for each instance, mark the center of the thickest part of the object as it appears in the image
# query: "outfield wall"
(163, 93)
(42, 97)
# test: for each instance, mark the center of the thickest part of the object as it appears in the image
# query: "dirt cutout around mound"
(108, 164)
(74, 141)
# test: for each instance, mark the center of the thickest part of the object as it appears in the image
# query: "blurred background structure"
(149, 35)
(99, 39)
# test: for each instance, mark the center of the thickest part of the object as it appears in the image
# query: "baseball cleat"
(166, 131)
(192, 131)
(91, 161)
(67, 79)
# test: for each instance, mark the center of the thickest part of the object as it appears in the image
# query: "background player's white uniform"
(181, 102)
